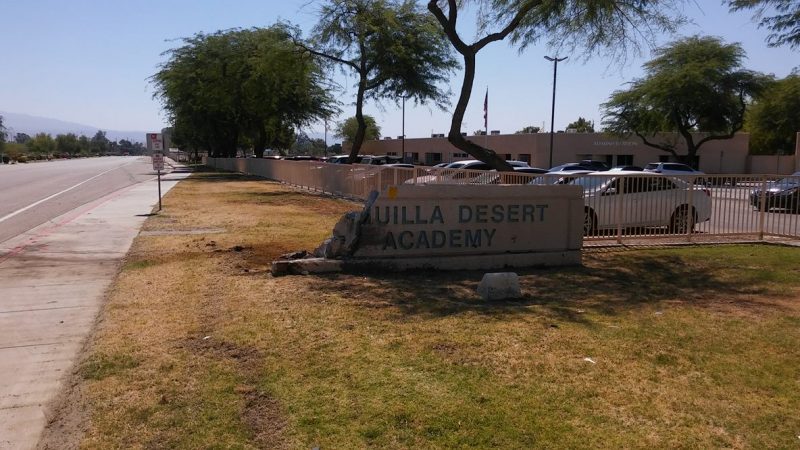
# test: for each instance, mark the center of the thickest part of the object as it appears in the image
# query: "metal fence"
(621, 207)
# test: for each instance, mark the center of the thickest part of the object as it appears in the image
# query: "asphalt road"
(32, 194)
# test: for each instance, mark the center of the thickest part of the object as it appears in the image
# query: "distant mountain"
(23, 123)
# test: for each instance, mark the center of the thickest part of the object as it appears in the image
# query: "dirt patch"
(68, 419)
(264, 417)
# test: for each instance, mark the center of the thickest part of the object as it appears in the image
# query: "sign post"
(155, 143)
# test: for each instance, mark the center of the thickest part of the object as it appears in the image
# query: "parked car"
(448, 175)
(599, 166)
(584, 164)
(783, 194)
(301, 158)
(495, 177)
(380, 160)
(669, 168)
(628, 168)
(342, 159)
(560, 177)
(646, 200)
(570, 167)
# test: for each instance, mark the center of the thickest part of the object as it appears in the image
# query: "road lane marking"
(33, 205)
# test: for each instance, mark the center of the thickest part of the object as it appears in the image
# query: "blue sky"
(88, 61)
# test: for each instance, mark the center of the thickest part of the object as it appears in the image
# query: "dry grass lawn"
(199, 347)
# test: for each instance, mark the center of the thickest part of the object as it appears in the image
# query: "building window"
(415, 158)
(624, 160)
(663, 158)
(526, 157)
(433, 158)
(508, 156)
(391, 153)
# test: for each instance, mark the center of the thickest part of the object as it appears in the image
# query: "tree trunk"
(454, 136)
(261, 142)
(362, 125)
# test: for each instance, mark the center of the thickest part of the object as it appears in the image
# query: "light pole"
(325, 152)
(403, 130)
(555, 60)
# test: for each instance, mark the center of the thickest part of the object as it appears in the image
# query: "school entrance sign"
(476, 226)
(454, 227)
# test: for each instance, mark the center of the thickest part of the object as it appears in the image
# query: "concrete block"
(499, 286)
(305, 266)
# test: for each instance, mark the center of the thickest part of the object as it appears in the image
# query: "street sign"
(158, 161)
(155, 142)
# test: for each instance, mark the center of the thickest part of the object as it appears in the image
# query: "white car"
(669, 168)
(455, 173)
(633, 199)
(559, 177)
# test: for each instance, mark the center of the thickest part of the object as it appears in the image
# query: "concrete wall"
(724, 156)
(772, 164)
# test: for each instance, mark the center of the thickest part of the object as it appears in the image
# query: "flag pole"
(486, 118)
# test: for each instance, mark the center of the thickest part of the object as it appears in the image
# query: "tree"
(100, 143)
(42, 144)
(784, 25)
(233, 87)
(84, 145)
(774, 119)
(67, 143)
(581, 126)
(305, 145)
(334, 149)
(22, 138)
(529, 130)
(3, 134)
(348, 129)
(591, 25)
(693, 85)
(394, 48)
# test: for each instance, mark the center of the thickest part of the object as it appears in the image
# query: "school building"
(717, 156)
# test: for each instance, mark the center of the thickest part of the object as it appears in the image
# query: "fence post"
(690, 229)
(619, 206)
(762, 208)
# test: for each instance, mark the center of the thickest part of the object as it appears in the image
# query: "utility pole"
(403, 131)
(555, 60)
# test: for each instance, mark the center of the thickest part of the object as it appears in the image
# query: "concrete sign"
(155, 142)
(158, 161)
(458, 221)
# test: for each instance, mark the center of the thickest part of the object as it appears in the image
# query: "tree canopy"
(67, 143)
(774, 120)
(395, 49)
(594, 26)
(695, 84)
(241, 87)
(42, 143)
(348, 129)
(3, 134)
(581, 126)
(781, 17)
(529, 130)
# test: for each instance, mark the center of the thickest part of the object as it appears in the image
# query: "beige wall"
(723, 156)
(771, 164)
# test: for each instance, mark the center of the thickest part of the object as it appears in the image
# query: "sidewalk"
(54, 280)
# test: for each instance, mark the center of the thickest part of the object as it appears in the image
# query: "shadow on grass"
(626, 283)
